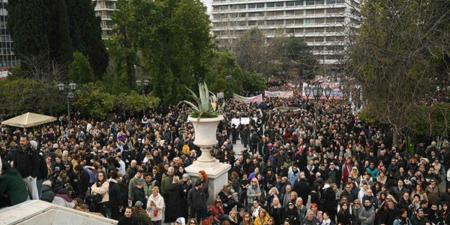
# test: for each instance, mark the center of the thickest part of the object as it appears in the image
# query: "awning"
(28, 120)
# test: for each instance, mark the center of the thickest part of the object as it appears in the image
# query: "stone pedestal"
(217, 175)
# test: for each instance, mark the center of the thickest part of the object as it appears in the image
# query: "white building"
(7, 57)
(325, 25)
(104, 10)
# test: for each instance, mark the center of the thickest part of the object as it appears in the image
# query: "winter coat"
(303, 189)
(12, 185)
(47, 194)
(115, 195)
(175, 204)
(26, 162)
(155, 206)
(138, 195)
(102, 190)
(367, 216)
(253, 193)
(277, 214)
(197, 200)
(344, 218)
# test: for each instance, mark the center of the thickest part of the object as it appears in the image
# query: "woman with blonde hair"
(155, 206)
(262, 218)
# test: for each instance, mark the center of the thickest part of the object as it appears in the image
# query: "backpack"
(186, 150)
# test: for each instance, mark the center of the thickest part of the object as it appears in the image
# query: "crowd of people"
(315, 165)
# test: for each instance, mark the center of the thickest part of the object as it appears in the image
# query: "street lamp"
(142, 85)
(317, 92)
(327, 92)
(308, 91)
(69, 90)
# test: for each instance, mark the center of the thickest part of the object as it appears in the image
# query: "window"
(290, 13)
(310, 12)
(242, 6)
(301, 2)
(260, 5)
(309, 21)
(279, 4)
(320, 21)
(270, 4)
(290, 4)
(290, 21)
(319, 2)
(319, 30)
(252, 6)
(309, 2)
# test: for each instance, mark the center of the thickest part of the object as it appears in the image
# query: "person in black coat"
(344, 217)
(115, 196)
(329, 203)
(79, 180)
(175, 205)
(302, 186)
(291, 214)
(139, 193)
(127, 219)
(25, 160)
(197, 201)
(276, 211)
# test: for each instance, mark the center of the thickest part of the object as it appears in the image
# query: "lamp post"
(68, 89)
(142, 86)
(308, 92)
(327, 92)
(317, 92)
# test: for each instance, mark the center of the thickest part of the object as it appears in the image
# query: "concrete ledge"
(44, 213)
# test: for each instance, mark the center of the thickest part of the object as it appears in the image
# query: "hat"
(139, 204)
(181, 221)
(47, 183)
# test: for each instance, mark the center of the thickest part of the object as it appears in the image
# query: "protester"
(313, 165)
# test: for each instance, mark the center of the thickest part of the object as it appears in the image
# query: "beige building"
(104, 10)
(324, 25)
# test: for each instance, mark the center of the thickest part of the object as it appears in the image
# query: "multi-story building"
(7, 57)
(104, 10)
(323, 24)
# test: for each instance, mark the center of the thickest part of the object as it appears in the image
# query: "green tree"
(399, 55)
(291, 54)
(86, 34)
(80, 70)
(50, 32)
(167, 40)
(94, 101)
(18, 96)
(251, 52)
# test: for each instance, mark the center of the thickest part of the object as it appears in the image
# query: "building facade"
(104, 10)
(324, 25)
(7, 57)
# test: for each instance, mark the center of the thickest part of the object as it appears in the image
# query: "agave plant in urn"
(205, 119)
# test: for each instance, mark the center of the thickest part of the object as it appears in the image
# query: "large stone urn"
(205, 137)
